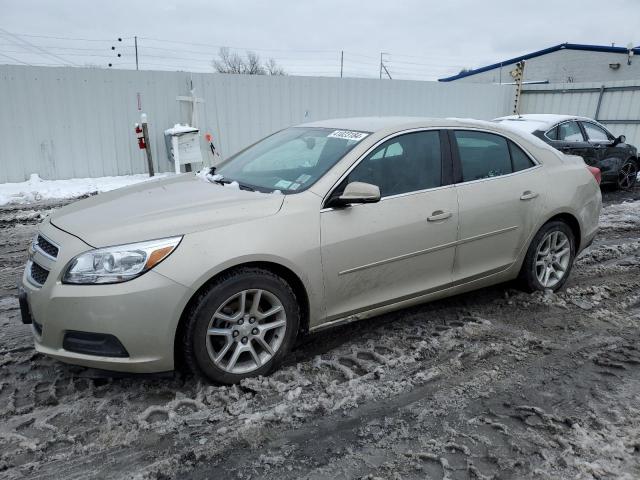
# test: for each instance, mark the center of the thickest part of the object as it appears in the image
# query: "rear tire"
(628, 175)
(242, 326)
(549, 259)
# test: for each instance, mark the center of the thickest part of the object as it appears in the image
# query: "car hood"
(162, 208)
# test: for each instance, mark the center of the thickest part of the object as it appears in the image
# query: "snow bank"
(36, 189)
(621, 216)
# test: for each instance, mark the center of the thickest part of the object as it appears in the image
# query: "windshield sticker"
(283, 184)
(294, 186)
(303, 178)
(347, 135)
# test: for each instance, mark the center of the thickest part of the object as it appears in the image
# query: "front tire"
(549, 259)
(242, 326)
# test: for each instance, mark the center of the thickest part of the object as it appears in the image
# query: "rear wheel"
(628, 175)
(242, 326)
(550, 257)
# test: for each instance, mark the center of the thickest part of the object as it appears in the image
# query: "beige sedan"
(313, 226)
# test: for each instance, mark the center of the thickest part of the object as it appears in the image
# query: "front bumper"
(141, 314)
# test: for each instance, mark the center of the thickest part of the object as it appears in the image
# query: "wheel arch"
(573, 224)
(288, 275)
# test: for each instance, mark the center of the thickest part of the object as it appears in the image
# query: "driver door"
(404, 245)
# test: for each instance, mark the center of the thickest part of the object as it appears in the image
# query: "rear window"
(482, 155)
(486, 155)
(570, 132)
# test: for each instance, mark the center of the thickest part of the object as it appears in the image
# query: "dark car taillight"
(595, 171)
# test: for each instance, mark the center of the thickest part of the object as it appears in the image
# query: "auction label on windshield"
(348, 135)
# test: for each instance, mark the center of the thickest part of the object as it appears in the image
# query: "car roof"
(376, 124)
(532, 122)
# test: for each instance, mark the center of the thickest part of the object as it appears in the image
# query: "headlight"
(120, 263)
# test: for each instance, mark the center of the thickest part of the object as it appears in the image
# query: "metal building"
(564, 63)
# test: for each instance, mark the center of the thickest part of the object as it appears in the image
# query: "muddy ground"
(493, 384)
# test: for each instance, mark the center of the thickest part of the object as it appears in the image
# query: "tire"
(627, 175)
(532, 275)
(218, 326)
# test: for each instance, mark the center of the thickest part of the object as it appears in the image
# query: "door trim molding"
(427, 250)
(402, 302)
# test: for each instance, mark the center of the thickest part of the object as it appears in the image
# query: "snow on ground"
(496, 383)
(624, 215)
(36, 189)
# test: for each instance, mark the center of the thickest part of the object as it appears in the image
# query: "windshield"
(290, 160)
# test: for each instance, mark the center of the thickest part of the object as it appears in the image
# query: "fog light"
(88, 343)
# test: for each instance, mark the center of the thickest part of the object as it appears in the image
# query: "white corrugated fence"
(78, 122)
(614, 104)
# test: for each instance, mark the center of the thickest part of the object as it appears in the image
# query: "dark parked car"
(617, 160)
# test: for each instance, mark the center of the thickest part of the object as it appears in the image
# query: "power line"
(184, 55)
(14, 59)
(68, 38)
(232, 47)
(40, 49)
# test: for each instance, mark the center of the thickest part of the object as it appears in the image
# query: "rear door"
(501, 191)
(402, 246)
(568, 138)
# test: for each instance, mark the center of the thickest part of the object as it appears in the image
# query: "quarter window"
(552, 134)
(570, 132)
(519, 159)
(595, 133)
(406, 163)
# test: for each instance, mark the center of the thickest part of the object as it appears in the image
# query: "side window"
(552, 134)
(406, 163)
(482, 155)
(595, 133)
(570, 132)
(519, 159)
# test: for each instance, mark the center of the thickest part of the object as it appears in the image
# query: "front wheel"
(549, 259)
(628, 175)
(242, 326)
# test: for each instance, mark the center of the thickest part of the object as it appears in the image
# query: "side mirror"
(356, 192)
(619, 140)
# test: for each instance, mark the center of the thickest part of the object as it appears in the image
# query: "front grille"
(38, 274)
(47, 247)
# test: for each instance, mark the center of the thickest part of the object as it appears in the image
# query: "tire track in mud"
(488, 384)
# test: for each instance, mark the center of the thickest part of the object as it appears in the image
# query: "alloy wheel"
(246, 331)
(552, 258)
(627, 176)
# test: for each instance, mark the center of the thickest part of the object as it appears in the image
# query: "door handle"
(528, 195)
(438, 215)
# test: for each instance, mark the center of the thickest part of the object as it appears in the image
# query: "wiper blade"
(220, 180)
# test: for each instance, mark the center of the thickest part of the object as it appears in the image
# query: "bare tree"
(251, 64)
(273, 68)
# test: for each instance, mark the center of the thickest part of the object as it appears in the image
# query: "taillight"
(595, 171)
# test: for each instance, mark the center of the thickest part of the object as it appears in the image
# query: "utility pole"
(135, 40)
(341, 62)
(383, 66)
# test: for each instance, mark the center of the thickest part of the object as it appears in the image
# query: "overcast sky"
(423, 39)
